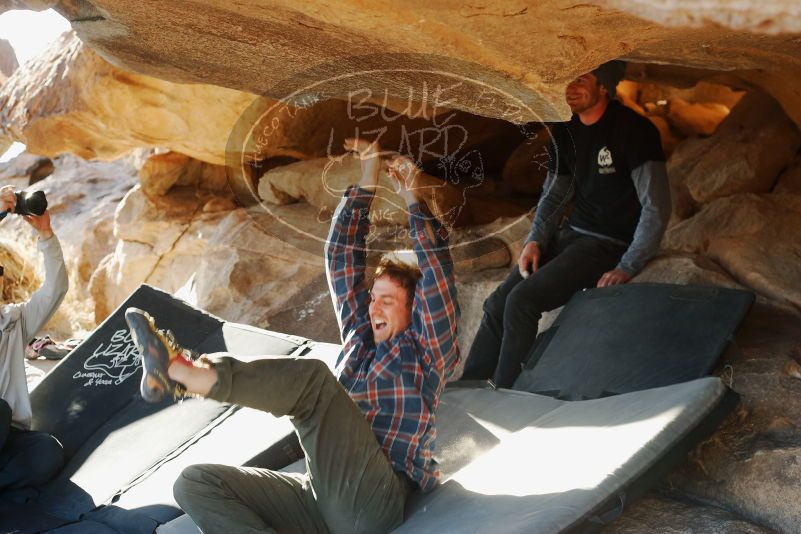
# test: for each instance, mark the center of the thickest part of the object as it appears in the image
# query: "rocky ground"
(163, 208)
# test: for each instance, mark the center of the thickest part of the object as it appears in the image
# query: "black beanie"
(609, 75)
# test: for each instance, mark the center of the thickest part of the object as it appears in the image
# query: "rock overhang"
(529, 49)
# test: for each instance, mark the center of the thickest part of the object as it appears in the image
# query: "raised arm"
(346, 259)
(45, 301)
(346, 248)
(435, 314)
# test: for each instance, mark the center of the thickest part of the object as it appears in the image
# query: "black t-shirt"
(601, 158)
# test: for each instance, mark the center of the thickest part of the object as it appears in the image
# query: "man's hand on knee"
(613, 278)
(529, 259)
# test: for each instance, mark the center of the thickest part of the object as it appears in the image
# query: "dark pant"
(27, 458)
(571, 262)
(349, 486)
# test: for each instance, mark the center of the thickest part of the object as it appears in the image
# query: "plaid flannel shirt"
(396, 383)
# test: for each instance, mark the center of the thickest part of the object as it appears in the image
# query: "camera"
(28, 203)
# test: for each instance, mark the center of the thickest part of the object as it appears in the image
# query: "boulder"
(693, 119)
(162, 171)
(659, 514)
(8, 60)
(257, 50)
(525, 170)
(789, 181)
(750, 466)
(751, 146)
(750, 15)
(753, 237)
(680, 165)
(247, 273)
(69, 99)
(25, 169)
(685, 269)
(82, 198)
(159, 240)
(322, 181)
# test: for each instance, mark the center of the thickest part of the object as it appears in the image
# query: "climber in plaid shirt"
(399, 333)
(369, 436)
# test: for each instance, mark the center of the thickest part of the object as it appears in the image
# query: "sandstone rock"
(746, 154)
(492, 44)
(658, 514)
(162, 171)
(309, 313)
(321, 182)
(753, 237)
(680, 165)
(71, 100)
(82, 198)
(700, 92)
(750, 465)
(685, 269)
(33, 5)
(20, 277)
(161, 241)
(789, 180)
(247, 274)
(27, 169)
(696, 118)
(728, 162)
(668, 139)
(8, 60)
(525, 170)
(750, 15)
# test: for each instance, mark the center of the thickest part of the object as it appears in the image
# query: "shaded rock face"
(753, 237)
(790, 179)
(750, 466)
(745, 154)
(658, 514)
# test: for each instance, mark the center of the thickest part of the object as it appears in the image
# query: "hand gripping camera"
(29, 203)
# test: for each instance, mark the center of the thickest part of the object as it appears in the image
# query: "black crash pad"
(90, 402)
(633, 337)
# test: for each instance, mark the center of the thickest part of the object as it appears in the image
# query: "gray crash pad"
(516, 462)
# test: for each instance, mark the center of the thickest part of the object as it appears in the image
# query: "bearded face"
(583, 93)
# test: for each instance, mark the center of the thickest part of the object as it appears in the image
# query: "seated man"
(27, 458)
(608, 160)
(368, 437)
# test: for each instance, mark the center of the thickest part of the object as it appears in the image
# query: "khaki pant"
(350, 485)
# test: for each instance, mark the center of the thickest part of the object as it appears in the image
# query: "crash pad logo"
(111, 363)
(605, 161)
(286, 151)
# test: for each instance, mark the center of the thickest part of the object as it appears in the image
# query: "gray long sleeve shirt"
(651, 184)
(20, 322)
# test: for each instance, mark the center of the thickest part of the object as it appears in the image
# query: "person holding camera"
(27, 458)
